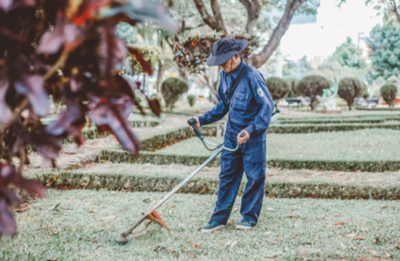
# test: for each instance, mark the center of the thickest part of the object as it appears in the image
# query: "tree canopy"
(385, 50)
(349, 54)
(229, 16)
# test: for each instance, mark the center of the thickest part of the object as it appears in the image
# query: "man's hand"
(242, 140)
(197, 123)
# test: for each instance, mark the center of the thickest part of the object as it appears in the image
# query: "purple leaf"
(7, 174)
(5, 4)
(113, 112)
(32, 86)
(47, 145)
(6, 114)
(70, 122)
(7, 222)
(32, 187)
(64, 33)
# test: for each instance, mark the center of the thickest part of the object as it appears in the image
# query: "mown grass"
(279, 183)
(84, 223)
(368, 145)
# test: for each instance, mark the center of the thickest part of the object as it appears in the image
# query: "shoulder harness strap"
(237, 81)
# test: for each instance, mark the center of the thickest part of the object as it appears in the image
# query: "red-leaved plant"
(66, 50)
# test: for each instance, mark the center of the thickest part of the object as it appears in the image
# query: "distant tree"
(293, 86)
(349, 54)
(311, 86)
(350, 88)
(278, 88)
(191, 100)
(385, 50)
(389, 93)
(172, 88)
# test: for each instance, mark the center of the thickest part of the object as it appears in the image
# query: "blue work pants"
(250, 158)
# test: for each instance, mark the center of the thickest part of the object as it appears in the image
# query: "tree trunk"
(396, 11)
(215, 22)
(257, 60)
(253, 9)
(312, 104)
(183, 73)
(161, 69)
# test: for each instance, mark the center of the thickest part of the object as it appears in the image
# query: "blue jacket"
(250, 108)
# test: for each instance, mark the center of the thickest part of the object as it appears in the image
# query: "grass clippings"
(75, 232)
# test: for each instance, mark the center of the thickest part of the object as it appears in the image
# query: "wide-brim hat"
(224, 49)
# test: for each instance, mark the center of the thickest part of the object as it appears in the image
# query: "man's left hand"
(242, 140)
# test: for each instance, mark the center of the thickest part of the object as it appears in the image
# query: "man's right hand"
(197, 123)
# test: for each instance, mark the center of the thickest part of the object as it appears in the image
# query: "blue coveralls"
(250, 108)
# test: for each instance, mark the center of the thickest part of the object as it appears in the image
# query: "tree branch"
(253, 8)
(259, 59)
(217, 15)
(216, 23)
(396, 11)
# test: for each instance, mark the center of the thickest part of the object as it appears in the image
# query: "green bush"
(171, 89)
(292, 85)
(278, 88)
(154, 96)
(350, 88)
(389, 92)
(311, 86)
(191, 100)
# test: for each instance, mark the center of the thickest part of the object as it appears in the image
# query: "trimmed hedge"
(278, 189)
(339, 120)
(159, 140)
(310, 128)
(120, 156)
(377, 109)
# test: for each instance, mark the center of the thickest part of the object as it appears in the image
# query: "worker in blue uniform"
(244, 95)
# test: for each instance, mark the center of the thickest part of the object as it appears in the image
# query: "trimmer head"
(121, 240)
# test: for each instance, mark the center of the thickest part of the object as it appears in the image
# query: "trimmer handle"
(192, 123)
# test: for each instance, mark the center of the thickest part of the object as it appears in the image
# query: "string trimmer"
(151, 213)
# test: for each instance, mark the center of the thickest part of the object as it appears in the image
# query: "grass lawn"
(369, 144)
(85, 222)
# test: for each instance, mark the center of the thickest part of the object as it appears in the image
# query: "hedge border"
(119, 156)
(309, 128)
(283, 189)
(159, 140)
(339, 121)
(377, 109)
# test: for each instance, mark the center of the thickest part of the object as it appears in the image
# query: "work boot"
(243, 225)
(211, 226)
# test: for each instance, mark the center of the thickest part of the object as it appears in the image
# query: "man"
(250, 108)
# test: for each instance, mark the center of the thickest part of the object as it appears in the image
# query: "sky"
(331, 29)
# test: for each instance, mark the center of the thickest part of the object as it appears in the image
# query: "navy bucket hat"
(224, 49)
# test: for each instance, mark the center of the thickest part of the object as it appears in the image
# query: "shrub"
(350, 88)
(191, 100)
(278, 88)
(292, 85)
(389, 92)
(171, 89)
(311, 86)
(154, 96)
